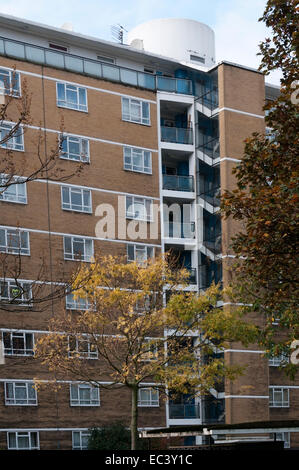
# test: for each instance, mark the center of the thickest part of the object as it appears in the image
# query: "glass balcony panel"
(35, 54)
(92, 68)
(147, 80)
(128, 76)
(166, 84)
(74, 64)
(15, 49)
(179, 230)
(178, 183)
(177, 135)
(55, 59)
(111, 73)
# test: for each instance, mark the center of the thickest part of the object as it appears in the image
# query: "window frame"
(14, 145)
(23, 434)
(282, 403)
(78, 190)
(89, 354)
(151, 403)
(72, 257)
(74, 304)
(10, 249)
(129, 117)
(11, 283)
(67, 104)
(18, 384)
(138, 248)
(11, 73)
(82, 434)
(130, 156)
(132, 214)
(84, 157)
(19, 335)
(78, 401)
(3, 179)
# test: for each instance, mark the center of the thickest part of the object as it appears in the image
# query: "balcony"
(93, 68)
(178, 183)
(179, 230)
(184, 411)
(177, 135)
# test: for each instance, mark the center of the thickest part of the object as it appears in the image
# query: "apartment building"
(155, 123)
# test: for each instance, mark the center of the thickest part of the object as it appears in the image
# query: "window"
(74, 148)
(150, 349)
(14, 192)
(139, 208)
(80, 303)
(84, 395)
(78, 249)
(109, 60)
(14, 241)
(80, 440)
(282, 436)
(277, 361)
(279, 397)
(196, 58)
(18, 292)
(135, 111)
(18, 343)
(23, 440)
(58, 47)
(9, 82)
(140, 253)
(148, 397)
(20, 393)
(76, 199)
(137, 160)
(15, 141)
(71, 96)
(82, 348)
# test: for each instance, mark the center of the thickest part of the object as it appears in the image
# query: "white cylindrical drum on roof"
(180, 39)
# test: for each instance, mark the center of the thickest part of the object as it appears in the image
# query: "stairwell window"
(148, 397)
(139, 208)
(23, 440)
(76, 199)
(137, 160)
(74, 148)
(20, 393)
(18, 343)
(11, 139)
(279, 397)
(137, 111)
(78, 249)
(71, 96)
(9, 82)
(14, 241)
(13, 192)
(84, 395)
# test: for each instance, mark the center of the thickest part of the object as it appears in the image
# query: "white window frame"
(10, 90)
(277, 361)
(282, 436)
(130, 116)
(151, 402)
(131, 154)
(283, 392)
(66, 154)
(20, 434)
(16, 141)
(14, 401)
(63, 103)
(151, 352)
(88, 354)
(147, 252)
(19, 336)
(82, 434)
(12, 193)
(71, 256)
(70, 206)
(78, 401)
(23, 238)
(11, 284)
(77, 304)
(132, 203)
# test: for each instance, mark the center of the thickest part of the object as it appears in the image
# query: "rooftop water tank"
(184, 40)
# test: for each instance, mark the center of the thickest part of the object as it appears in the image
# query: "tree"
(138, 339)
(265, 200)
(110, 437)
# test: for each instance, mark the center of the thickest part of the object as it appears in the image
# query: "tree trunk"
(134, 417)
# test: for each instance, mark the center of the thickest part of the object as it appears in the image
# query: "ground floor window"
(23, 440)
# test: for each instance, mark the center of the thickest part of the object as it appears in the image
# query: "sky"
(235, 22)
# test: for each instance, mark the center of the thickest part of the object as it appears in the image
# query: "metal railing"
(184, 411)
(177, 135)
(178, 183)
(213, 244)
(212, 196)
(209, 99)
(210, 147)
(179, 230)
(73, 63)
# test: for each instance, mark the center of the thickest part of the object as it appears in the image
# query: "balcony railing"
(94, 68)
(209, 99)
(184, 411)
(210, 147)
(177, 135)
(212, 196)
(179, 230)
(213, 244)
(178, 183)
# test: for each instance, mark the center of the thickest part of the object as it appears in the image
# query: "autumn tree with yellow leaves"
(136, 337)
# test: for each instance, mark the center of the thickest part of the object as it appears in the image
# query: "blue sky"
(235, 22)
